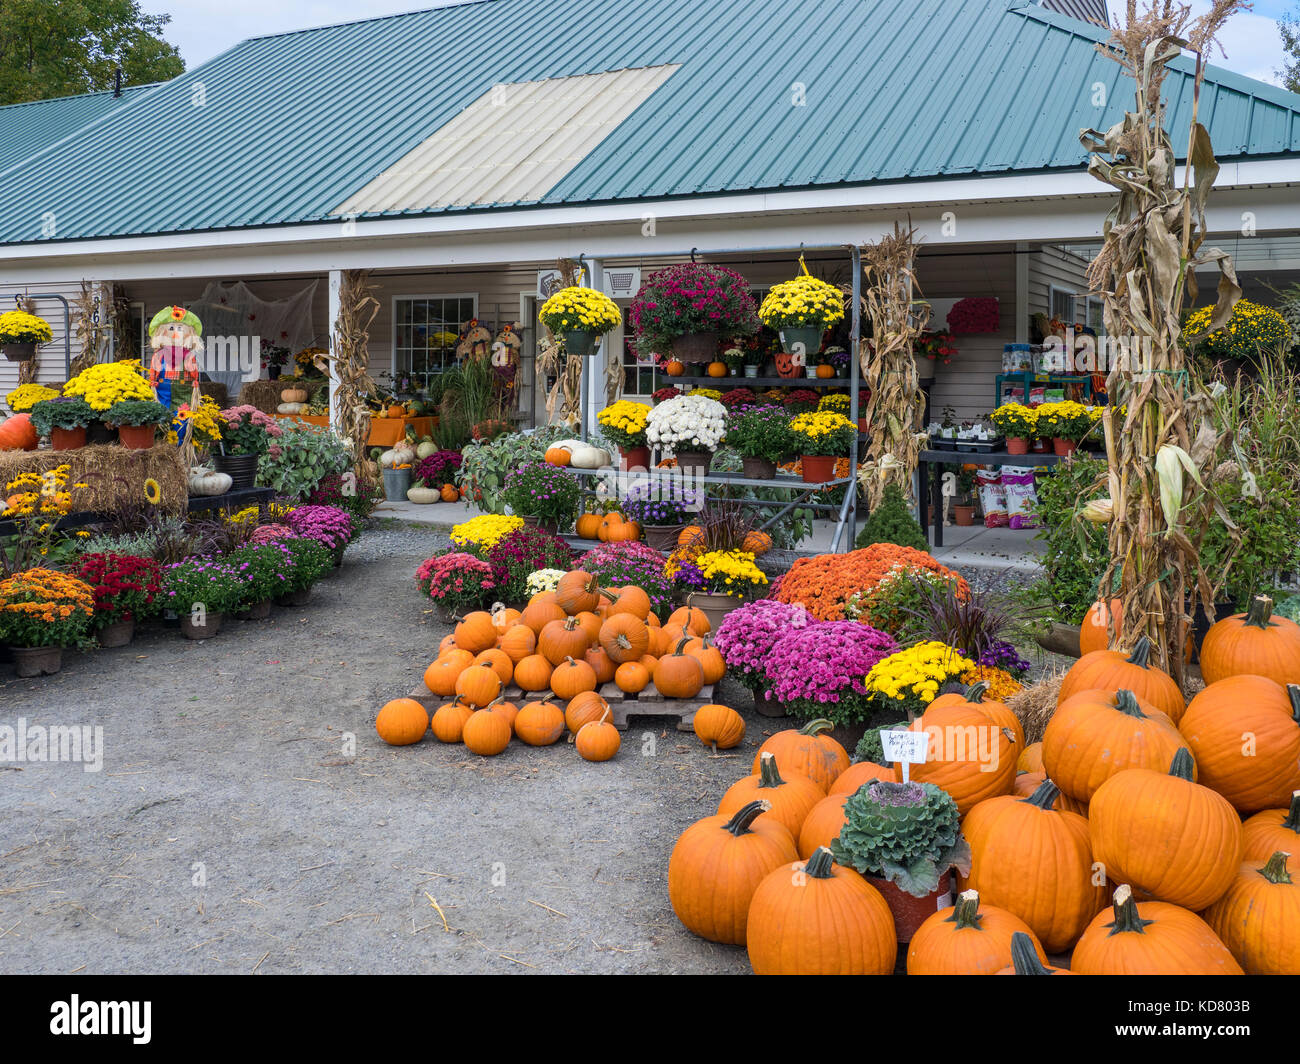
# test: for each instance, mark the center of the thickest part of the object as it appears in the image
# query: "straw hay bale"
(112, 474)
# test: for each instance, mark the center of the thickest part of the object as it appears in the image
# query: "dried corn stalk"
(896, 408)
(27, 369)
(567, 369)
(351, 358)
(92, 336)
(1161, 440)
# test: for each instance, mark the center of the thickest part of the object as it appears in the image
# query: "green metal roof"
(284, 129)
(26, 128)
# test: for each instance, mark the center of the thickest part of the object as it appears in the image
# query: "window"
(1061, 304)
(425, 329)
(1096, 317)
(639, 378)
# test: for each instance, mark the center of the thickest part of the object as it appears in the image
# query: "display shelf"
(753, 382)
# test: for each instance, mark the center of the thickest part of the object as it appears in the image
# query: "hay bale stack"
(112, 474)
(265, 395)
(1034, 705)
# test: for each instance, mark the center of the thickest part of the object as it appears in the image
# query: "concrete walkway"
(985, 548)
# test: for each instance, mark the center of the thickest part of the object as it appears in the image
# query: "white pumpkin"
(204, 481)
(290, 408)
(423, 496)
(425, 449)
(399, 455)
(585, 455)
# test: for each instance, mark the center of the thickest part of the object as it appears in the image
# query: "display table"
(938, 459)
(384, 431)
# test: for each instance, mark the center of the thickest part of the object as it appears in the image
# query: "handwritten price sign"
(906, 748)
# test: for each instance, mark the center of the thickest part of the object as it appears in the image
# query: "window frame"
(417, 297)
(1052, 292)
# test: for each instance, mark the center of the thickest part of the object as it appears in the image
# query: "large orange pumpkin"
(538, 614)
(678, 675)
(441, 676)
(1253, 642)
(1094, 735)
(690, 619)
(562, 639)
(815, 917)
(1258, 919)
(402, 721)
(631, 599)
(577, 592)
(570, 678)
(632, 677)
(791, 799)
(859, 775)
(1168, 837)
(479, 684)
(499, 661)
(716, 866)
(1035, 862)
(486, 733)
(1150, 938)
(518, 641)
(971, 755)
(822, 825)
(969, 938)
(533, 673)
(1272, 830)
(597, 740)
(1094, 633)
(1244, 732)
(539, 723)
(807, 752)
(583, 708)
(18, 434)
(624, 637)
(588, 525)
(1109, 670)
(476, 632)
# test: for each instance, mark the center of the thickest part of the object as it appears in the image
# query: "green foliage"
(1077, 550)
(1289, 27)
(61, 414)
(892, 522)
(910, 833)
(761, 433)
(870, 748)
(484, 465)
(311, 561)
(1269, 542)
(54, 48)
(306, 456)
(138, 412)
(786, 531)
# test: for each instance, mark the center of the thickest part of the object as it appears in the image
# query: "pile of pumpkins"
(611, 527)
(1142, 835)
(562, 647)
(577, 453)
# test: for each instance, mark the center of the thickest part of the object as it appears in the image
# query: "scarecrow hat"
(175, 314)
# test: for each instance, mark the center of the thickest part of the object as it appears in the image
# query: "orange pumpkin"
(674, 368)
(1272, 830)
(1031, 758)
(562, 639)
(624, 637)
(969, 938)
(807, 752)
(972, 755)
(1094, 634)
(449, 720)
(597, 740)
(518, 641)
(824, 371)
(441, 676)
(631, 599)
(486, 733)
(757, 543)
(1150, 938)
(571, 678)
(500, 662)
(402, 721)
(539, 723)
(1109, 670)
(584, 707)
(479, 684)
(791, 800)
(720, 727)
(476, 632)
(678, 675)
(687, 534)
(822, 825)
(537, 615)
(18, 434)
(577, 592)
(856, 776)
(717, 369)
(1253, 642)
(559, 456)
(450, 493)
(710, 659)
(533, 673)
(690, 619)
(588, 525)
(631, 677)
(507, 709)
(601, 664)
(622, 532)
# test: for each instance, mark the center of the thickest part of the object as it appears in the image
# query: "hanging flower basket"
(582, 342)
(580, 316)
(20, 352)
(696, 348)
(687, 309)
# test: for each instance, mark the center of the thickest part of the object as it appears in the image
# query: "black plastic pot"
(1201, 623)
(241, 468)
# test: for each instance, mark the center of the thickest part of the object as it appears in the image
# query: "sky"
(204, 28)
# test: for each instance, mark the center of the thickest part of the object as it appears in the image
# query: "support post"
(335, 305)
(593, 375)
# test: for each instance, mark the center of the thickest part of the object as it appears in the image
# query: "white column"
(336, 286)
(594, 367)
(1022, 293)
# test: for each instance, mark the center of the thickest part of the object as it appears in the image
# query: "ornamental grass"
(823, 584)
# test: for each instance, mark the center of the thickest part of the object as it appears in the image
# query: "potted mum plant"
(726, 578)
(906, 839)
(821, 436)
(125, 588)
(330, 526)
(309, 562)
(202, 590)
(624, 423)
(691, 427)
(137, 421)
(21, 333)
(456, 582)
(263, 566)
(580, 317)
(801, 311)
(762, 439)
(544, 495)
(1066, 422)
(246, 435)
(64, 420)
(1018, 423)
(685, 309)
(734, 359)
(661, 508)
(41, 612)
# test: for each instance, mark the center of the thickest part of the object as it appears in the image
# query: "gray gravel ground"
(231, 829)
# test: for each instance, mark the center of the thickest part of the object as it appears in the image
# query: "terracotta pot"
(911, 912)
(818, 468)
(635, 457)
(259, 611)
(136, 437)
(714, 607)
(211, 626)
(964, 515)
(696, 347)
(661, 537)
(295, 598)
(68, 439)
(1039, 447)
(118, 634)
(546, 525)
(1017, 445)
(37, 661)
(697, 462)
(758, 468)
(1064, 447)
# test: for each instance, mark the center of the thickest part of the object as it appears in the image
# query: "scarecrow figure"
(474, 340)
(175, 334)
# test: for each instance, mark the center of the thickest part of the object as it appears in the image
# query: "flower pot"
(964, 515)
(810, 372)
(1063, 446)
(68, 439)
(37, 661)
(241, 468)
(295, 598)
(397, 482)
(697, 462)
(546, 524)
(580, 342)
(911, 912)
(766, 708)
(818, 468)
(273, 374)
(1017, 445)
(842, 372)
(1038, 447)
(136, 437)
(801, 340)
(751, 371)
(259, 611)
(447, 614)
(635, 457)
(758, 468)
(924, 369)
(862, 425)
(20, 352)
(848, 735)
(693, 348)
(661, 537)
(117, 634)
(98, 432)
(211, 626)
(714, 606)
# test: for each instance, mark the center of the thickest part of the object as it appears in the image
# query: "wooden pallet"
(650, 703)
(513, 693)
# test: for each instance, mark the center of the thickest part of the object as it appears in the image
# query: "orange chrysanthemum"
(824, 583)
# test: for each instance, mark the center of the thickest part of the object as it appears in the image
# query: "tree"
(54, 48)
(1289, 27)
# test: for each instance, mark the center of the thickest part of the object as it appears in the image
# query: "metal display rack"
(846, 511)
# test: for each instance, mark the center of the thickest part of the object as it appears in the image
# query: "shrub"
(296, 464)
(1077, 552)
(892, 522)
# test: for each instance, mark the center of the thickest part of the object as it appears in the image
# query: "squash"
(631, 677)
(290, 408)
(625, 637)
(790, 800)
(972, 755)
(719, 727)
(1273, 829)
(293, 395)
(18, 434)
(1150, 938)
(399, 455)
(1253, 642)
(601, 664)
(588, 525)
(570, 678)
(717, 865)
(757, 543)
(969, 938)
(423, 496)
(1258, 919)
(479, 685)
(402, 721)
(533, 673)
(562, 639)
(717, 369)
(425, 449)
(815, 917)
(807, 752)
(475, 632)
(582, 455)
(1108, 670)
(1166, 836)
(499, 661)
(597, 740)
(674, 368)
(204, 481)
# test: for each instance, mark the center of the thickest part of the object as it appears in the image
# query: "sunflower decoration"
(152, 492)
